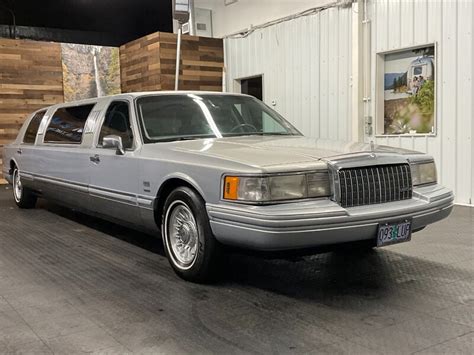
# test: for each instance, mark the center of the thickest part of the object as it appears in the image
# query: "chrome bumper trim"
(286, 228)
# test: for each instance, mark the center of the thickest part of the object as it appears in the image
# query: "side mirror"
(113, 141)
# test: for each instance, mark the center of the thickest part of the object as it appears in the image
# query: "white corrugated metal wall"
(449, 24)
(306, 67)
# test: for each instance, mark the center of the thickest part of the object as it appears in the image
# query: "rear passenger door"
(60, 160)
(114, 178)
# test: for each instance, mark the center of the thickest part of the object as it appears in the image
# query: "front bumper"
(322, 222)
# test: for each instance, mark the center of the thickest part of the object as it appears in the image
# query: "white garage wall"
(243, 14)
(306, 67)
(449, 23)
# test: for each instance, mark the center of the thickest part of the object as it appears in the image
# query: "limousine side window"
(117, 122)
(67, 124)
(32, 130)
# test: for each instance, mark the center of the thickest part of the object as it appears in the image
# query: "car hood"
(258, 151)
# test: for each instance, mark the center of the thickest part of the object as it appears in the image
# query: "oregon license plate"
(392, 233)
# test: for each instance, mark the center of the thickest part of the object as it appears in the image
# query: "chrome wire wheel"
(17, 187)
(182, 235)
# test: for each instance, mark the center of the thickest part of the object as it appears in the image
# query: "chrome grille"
(374, 184)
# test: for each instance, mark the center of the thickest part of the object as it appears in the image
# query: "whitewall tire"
(24, 198)
(189, 244)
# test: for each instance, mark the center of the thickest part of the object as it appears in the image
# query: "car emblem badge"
(372, 148)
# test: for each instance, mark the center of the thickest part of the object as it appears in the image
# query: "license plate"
(392, 233)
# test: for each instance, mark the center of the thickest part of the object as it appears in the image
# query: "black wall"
(102, 22)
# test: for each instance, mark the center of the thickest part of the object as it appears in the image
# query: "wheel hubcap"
(182, 234)
(17, 188)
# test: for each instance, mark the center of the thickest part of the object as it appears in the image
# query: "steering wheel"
(243, 125)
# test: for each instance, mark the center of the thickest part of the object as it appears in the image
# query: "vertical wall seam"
(439, 92)
(319, 76)
(456, 72)
(336, 89)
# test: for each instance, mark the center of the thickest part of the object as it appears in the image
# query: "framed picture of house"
(406, 91)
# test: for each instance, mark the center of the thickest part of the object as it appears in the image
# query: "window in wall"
(67, 124)
(117, 122)
(417, 70)
(32, 130)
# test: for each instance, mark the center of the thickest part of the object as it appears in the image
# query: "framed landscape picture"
(409, 97)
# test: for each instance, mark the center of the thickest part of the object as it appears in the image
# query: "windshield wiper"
(183, 138)
(269, 134)
(258, 134)
(277, 134)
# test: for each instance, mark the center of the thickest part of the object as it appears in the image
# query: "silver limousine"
(207, 170)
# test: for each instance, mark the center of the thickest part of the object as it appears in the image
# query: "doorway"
(252, 86)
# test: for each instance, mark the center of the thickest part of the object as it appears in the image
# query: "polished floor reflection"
(72, 283)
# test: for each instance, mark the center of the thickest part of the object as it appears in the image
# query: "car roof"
(143, 93)
(138, 94)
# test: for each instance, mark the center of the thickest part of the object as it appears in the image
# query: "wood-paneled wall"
(31, 77)
(31, 74)
(149, 63)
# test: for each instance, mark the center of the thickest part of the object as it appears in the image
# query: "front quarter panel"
(160, 163)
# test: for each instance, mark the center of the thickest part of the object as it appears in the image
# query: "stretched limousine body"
(205, 170)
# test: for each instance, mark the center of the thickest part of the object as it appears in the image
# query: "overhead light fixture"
(181, 10)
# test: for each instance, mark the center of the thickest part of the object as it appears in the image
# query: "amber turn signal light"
(231, 184)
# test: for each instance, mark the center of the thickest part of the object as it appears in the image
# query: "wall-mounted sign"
(409, 91)
(90, 71)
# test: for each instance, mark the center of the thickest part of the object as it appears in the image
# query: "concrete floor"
(71, 283)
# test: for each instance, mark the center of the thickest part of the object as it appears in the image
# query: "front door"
(114, 178)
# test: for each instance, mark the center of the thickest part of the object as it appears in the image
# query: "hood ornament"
(372, 149)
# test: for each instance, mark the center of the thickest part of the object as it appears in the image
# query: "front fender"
(184, 177)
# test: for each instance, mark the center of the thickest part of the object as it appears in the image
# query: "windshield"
(191, 116)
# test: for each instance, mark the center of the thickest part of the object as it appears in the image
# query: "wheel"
(24, 198)
(192, 250)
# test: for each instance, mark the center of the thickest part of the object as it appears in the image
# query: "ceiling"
(124, 20)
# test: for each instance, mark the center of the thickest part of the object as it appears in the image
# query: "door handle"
(95, 159)
(19, 151)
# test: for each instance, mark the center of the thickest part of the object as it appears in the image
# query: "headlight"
(423, 173)
(276, 187)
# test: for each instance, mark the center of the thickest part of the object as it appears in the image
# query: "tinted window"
(67, 124)
(32, 130)
(117, 122)
(174, 117)
(417, 70)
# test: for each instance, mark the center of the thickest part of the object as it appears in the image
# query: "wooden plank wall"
(140, 64)
(148, 63)
(31, 77)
